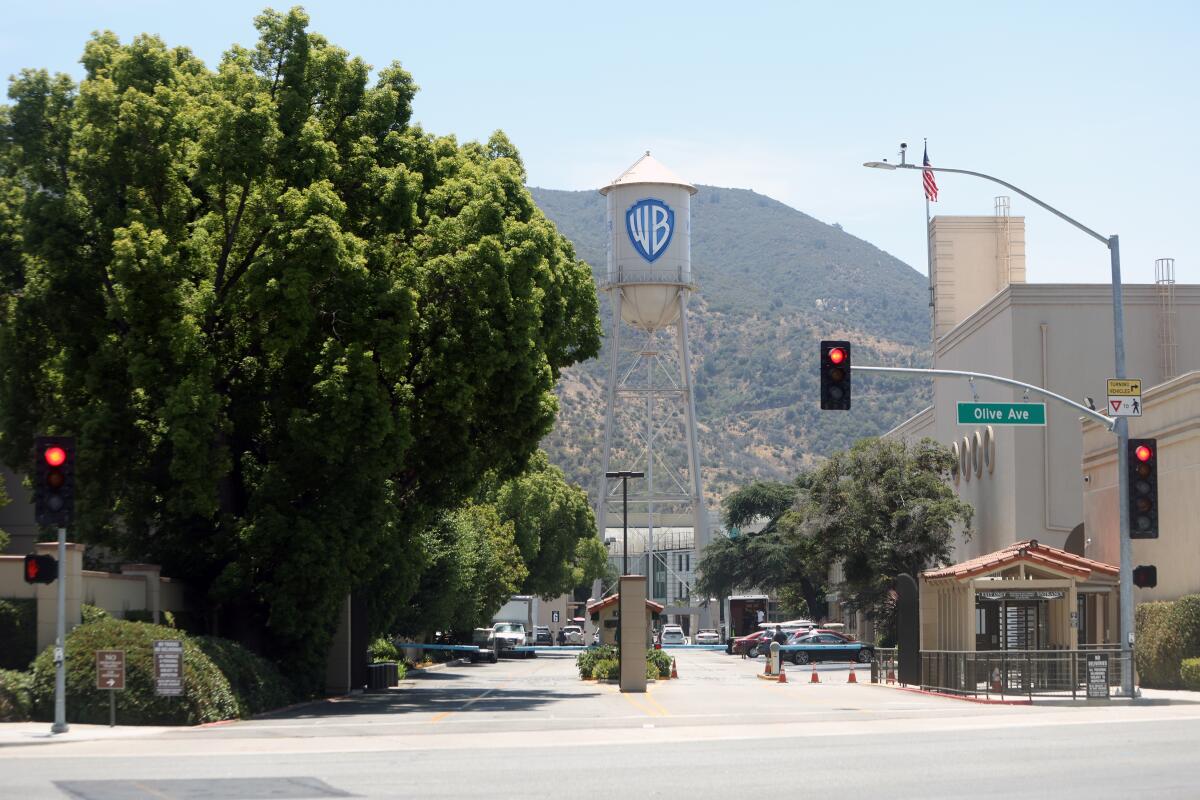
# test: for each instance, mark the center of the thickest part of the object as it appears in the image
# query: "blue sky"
(1093, 107)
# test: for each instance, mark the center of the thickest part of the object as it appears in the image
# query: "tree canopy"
(289, 328)
(871, 513)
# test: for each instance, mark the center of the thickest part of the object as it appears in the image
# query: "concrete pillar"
(151, 573)
(338, 662)
(47, 593)
(633, 633)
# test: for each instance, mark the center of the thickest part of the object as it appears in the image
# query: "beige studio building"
(1026, 483)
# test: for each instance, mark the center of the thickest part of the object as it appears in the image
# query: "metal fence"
(1004, 673)
(884, 665)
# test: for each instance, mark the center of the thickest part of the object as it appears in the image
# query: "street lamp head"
(878, 165)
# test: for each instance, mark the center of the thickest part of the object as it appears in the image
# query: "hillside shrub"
(18, 633)
(256, 683)
(1189, 674)
(607, 669)
(208, 694)
(15, 699)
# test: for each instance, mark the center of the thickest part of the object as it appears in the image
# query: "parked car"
(829, 646)
(573, 634)
(541, 635)
(744, 644)
(708, 637)
(672, 634)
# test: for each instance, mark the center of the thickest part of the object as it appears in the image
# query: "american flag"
(930, 183)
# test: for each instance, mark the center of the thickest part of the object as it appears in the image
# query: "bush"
(382, 649)
(15, 699)
(607, 669)
(256, 684)
(208, 694)
(90, 614)
(18, 633)
(660, 661)
(1166, 634)
(1189, 673)
(652, 673)
(586, 661)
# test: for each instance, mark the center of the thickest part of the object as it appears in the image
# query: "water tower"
(650, 409)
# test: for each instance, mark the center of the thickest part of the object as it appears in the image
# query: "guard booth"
(604, 615)
(1016, 619)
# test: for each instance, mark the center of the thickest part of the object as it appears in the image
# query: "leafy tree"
(555, 529)
(883, 508)
(288, 328)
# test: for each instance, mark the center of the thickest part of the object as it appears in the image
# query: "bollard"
(773, 658)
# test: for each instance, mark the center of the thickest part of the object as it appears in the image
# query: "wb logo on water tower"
(650, 224)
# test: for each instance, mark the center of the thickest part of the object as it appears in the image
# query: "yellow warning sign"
(1125, 387)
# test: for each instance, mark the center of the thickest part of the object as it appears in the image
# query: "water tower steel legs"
(609, 404)
(699, 511)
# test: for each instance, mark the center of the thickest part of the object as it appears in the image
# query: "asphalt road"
(530, 728)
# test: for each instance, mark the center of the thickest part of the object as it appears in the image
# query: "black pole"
(625, 524)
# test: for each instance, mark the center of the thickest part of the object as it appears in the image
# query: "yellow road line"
(662, 710)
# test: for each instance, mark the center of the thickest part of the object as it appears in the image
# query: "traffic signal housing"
(1145, 576)
(835, 375)
(40, 569)
(54, 480)
(1142, 462)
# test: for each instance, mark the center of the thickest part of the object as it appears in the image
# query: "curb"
(980, 700)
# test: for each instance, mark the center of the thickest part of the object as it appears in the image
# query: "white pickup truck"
(509, 635)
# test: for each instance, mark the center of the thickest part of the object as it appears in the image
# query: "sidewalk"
(33, 733)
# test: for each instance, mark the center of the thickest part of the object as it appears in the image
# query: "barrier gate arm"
(1109, 423)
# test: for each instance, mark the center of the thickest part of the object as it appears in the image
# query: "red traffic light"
(41, 568)
(55, 456)
(32, 568)
(1143, 453)
(837, 355)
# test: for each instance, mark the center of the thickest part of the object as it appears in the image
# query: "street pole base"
(60, 727)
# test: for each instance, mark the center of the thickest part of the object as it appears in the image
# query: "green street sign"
(1001, 413)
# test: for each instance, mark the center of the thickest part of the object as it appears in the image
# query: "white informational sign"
(168, 667)
(1125, 397)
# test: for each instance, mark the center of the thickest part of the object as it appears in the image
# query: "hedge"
(607, 669)
(15, 700)
(1166, 634)
(661, 661)
(1189, 673)
(586, 661)
(222, 680)
(18, 633)
(658, 662)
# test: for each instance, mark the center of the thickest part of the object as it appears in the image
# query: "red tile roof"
(1029, 551)
(611, 599)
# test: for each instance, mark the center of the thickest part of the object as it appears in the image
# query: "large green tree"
(881, 509)
(288, 327)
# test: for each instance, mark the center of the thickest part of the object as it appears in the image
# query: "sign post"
(110, 675)
(168, 667)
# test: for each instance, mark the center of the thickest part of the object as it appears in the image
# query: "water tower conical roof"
(647, 169)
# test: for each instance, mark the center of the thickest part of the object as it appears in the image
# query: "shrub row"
(598, 662)
(15, 699)
(1189, 673)
(1167, 633)
(222, 680)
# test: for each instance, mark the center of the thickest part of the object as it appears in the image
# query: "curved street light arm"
(1107, 422)
(1104, 239)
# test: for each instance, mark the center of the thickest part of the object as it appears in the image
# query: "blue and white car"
(827, 646)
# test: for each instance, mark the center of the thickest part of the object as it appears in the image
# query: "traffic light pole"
(60, 641)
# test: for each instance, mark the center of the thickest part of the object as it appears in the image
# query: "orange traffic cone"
(782, 674)
(674, 671)
(815, 678)
(852, 678)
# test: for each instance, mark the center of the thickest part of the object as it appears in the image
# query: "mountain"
(772, 282)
